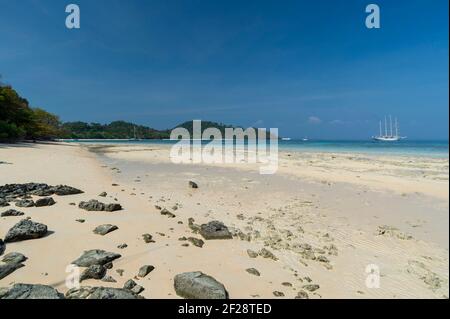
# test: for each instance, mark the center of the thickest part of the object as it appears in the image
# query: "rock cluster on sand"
(215, 230)
(95, 257)
(132, 286)
(105, 229)
(197, 285)
(95, 205)
(10, 192)
(101, 293)
(25, 229)
(26, 291)
(12, 212)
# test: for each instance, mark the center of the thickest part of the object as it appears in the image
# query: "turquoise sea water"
(404, 147)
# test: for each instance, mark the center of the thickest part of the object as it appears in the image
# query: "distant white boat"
(285, 138)
(388, 137)
(305, 139)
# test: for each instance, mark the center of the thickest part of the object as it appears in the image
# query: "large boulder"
(25, 229)
(95, 205)
(197, 285)
(215, 230)
(26, 291)
(95, 257)
(6, 269)
(101, 293)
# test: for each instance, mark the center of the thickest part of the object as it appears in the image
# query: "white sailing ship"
(391, 135)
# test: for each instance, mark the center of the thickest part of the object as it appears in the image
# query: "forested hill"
(113, 130)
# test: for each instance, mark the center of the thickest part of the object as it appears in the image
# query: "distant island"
(19, 121)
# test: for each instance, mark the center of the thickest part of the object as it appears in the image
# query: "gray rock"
(148, 238)
(193, 185)
(167, 213)
(25, 229)
(105, 229)
(129, 284)
(3, 203)
(108, 278)
(302, 295)
(25, 203)
(103, 194)
(6, 269)
(145, 270)
(253, 271)
(46, 201)
(63, 190)
(12, 212)
(14, 258)
(197, 285)
(278, 294)
(215, 230)
(101, 293)
(93, 272)
(251, 253)
(2, 247)
(95, 205)
(122, 246)
(265, 253)
(26, 291)
(137, 289)
(196, 242)
(311, 287)
(81, 221)
(95, 257)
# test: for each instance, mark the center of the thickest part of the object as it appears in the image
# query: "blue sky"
(310, 68)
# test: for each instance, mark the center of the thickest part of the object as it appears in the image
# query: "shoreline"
(282, 213)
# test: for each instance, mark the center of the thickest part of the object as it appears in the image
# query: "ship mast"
(380, 130)
(390, 124)
(385, 126)
(396, 127)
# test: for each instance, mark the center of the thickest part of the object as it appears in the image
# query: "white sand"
(316, 199)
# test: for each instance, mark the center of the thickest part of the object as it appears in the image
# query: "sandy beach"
(326, 217)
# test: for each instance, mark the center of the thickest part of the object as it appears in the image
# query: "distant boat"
(135, 138)
(305, 139)
(285, 138)
(388, 136)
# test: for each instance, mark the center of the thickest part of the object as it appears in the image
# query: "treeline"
(114, 130)
(20, 121)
